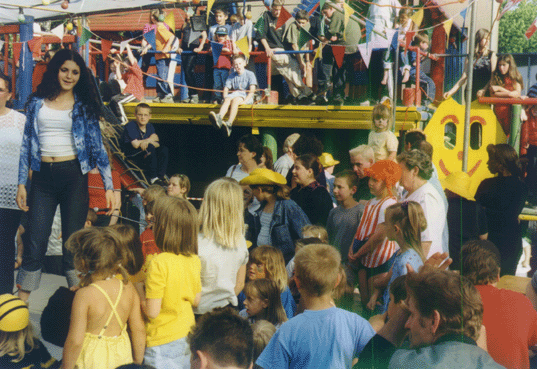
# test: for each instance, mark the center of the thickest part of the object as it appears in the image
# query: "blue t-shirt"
(132, 132)
(398, 269)
(324, 339)
(241, 82)
(288, 302)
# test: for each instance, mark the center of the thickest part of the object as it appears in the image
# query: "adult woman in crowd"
(279, 220)
(417, 169)
(249, 152)
(503, 198)
(11, 130)
(484, 64)
(62, 142)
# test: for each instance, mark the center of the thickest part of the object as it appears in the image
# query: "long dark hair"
(85, 91)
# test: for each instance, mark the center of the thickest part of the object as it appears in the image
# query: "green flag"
(321, 3)
(303, 38)
(84, 37)
(260, 25)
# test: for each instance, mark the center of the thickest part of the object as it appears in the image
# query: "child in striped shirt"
(371, 253)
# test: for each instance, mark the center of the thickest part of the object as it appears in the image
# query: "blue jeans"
(9, 222)
(163, 88)
(430, 88)
(173, 355)
(55, 183)
(220, 76)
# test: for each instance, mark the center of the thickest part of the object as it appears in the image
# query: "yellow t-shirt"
(176, 279)
(161, 39)
(382, 144)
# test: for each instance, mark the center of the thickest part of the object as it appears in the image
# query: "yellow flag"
(242, 44)
(447, 26)
(170, 20)
(417, 17)
(318, 53)
(210, 4)
(348, 11)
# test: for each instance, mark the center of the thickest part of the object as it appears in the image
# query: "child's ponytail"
(410, 217)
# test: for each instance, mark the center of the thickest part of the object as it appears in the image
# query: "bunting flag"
(347, 11)
(217, 50)
(284, 17)
(260, 25)
(339, 54)
(35, 44)
(210, 4)
(417, 18)
(321, 4)
(531, 30)
(368, 29)
(170, 21)
(150, 38)
(318, 53)
(17, 47)
(303, 38)
(1, 44)
(194, 35)
(84, 37)
(408, 39)
(463, 15)
(243, 46)
(366, 53)
(392, 36)
(106, 45)
(122, 46)
(509, 4)
(58, 31)
(447, 27)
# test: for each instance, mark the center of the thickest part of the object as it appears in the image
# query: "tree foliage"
(513, 25)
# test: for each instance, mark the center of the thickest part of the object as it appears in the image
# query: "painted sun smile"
(446, 171)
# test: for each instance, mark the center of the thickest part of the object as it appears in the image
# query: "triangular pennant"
(17, 47)
(243, 46)
(321, 4)
(283, 18)
(1, 44)
(210, 4)
(509, 4)
(106, 45)
(531, 30)
(217, 50)
(303, 38)
(463, 15)
(35, 44)
(417, 18)
(84, 37)
(447, 27)
(58, 31)
(122, 46)
(170, 21)
(347, 12)
(339, 54)
(318, 53)
(150, 38)
(194, 35)
(366, 53)
(392, 36)
(368, 29)
(408, 39)
(260, 25)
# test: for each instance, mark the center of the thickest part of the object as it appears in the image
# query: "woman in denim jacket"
(61, 143)
(279, 220)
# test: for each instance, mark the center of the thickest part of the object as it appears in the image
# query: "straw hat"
(263, 176)
(327, 160)
(386, 171)
(14, 314)
(460, 184)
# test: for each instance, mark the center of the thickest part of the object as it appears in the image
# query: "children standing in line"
(381, 139)
(222, 247)
(302, 342)
(223, 65)
(371, 252)
(179, 186)
(102, 308)
(506, 81)
(173, 285)
(263, 302)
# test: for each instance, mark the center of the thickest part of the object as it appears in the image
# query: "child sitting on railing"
(239, 89)
(422, 41)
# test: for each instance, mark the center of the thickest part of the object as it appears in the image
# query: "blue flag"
(368, 29)
(395, 41)
(217, 50)
(150, 38)
(463, 15)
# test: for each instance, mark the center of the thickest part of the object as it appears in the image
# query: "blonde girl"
(381, 139)
(179, 186)
(103, 306)
(173, 284)
(263, 302)
(267, 262)
(222, 246)
(404, 223)
(19, 347)
(134, 258)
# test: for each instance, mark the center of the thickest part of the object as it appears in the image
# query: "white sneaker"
(216, 120)
(168, 99)
(228, 127)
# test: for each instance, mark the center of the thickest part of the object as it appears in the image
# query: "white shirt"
(11, 131)
(283, 164)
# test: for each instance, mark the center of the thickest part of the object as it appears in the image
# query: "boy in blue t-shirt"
(238, 90)
(323, 336)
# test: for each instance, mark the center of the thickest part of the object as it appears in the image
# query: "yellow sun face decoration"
(445, 131)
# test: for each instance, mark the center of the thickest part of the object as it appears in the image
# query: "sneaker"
(227, 125)
(156, 100)
(168, 99)
(185, 101)
(306, 100)
(338, 100)
(216, 120)
(194, 99)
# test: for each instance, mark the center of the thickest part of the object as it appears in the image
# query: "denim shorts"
(173, 355)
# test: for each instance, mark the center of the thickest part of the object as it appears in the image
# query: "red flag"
(284, 16)
(408, 39)
(105, 48)
(339, 54)
(35, 44)
(17, 47)
(532, 29)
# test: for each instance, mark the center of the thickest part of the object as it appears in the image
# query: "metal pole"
(470, 73)
(396, 74)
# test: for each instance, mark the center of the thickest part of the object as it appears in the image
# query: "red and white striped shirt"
(373, 216)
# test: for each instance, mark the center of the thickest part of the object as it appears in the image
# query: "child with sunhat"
(327, 161)
(279, 220)
(18, 345)
(466, 219)
(371, 253)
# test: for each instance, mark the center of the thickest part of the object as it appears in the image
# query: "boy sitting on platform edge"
(238, 90)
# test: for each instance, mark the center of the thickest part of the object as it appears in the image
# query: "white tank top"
(55, 132)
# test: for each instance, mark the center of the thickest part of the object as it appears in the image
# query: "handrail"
(508, 100)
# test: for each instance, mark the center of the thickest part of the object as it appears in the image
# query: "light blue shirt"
(322, 339)
(241, 82)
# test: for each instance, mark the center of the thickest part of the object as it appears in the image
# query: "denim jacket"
(87, 137)
(286, 225)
